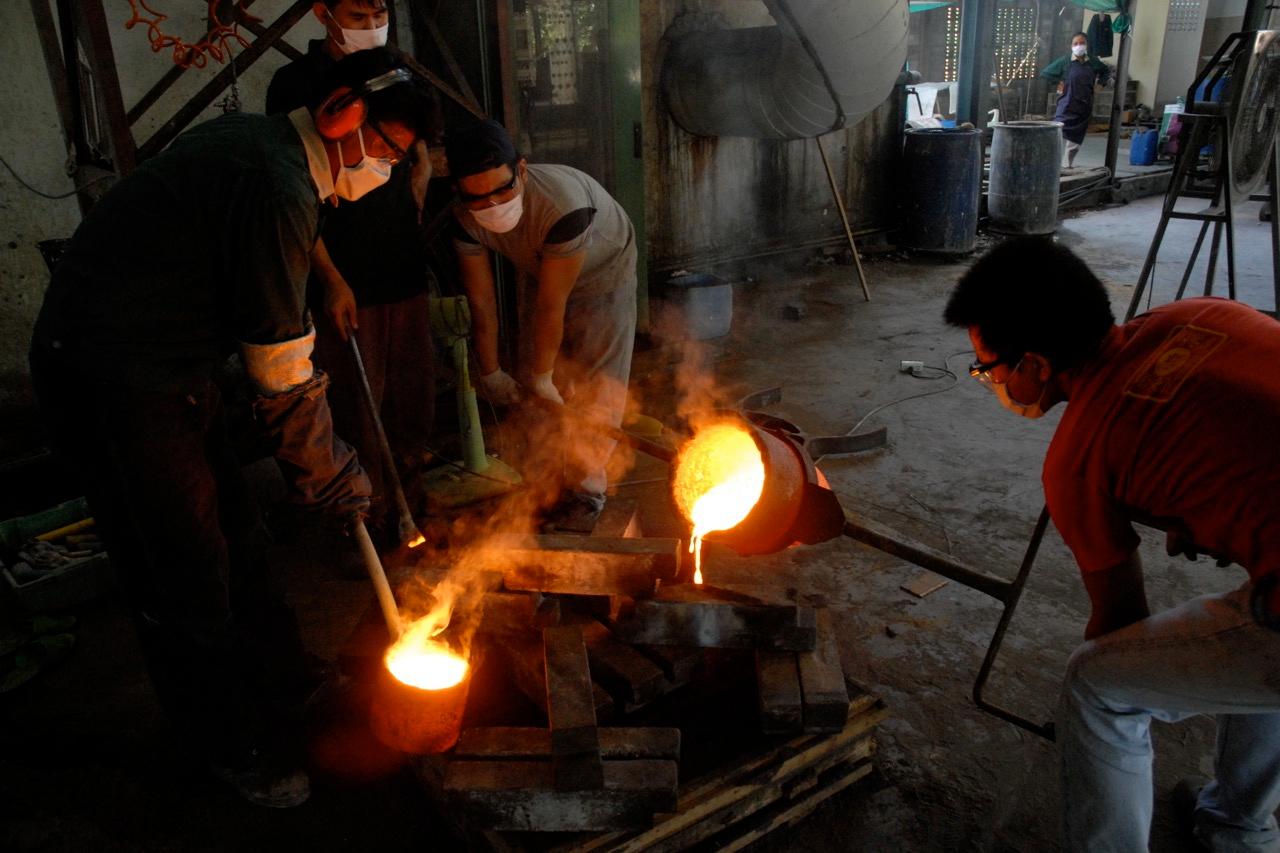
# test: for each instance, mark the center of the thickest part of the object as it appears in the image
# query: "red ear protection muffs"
(345, 108)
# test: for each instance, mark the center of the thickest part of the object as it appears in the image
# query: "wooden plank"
(616, 743)
(727, 806)
(520, 795)
(571, 713)
(584, 565)
(678, 663)
(523, 659)
(746, 785)
(95, 39)
(826, 696)
(622, 670)
(619, 519)
(507, 613)
(778, 689)
(788, 814)
(680, 616)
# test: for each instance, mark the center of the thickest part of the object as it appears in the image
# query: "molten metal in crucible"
(752, 488)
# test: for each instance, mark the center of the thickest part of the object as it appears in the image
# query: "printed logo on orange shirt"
(1163, 373)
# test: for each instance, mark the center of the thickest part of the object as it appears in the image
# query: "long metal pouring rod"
(644, 445)
(922, 555)
(373, 566)
(844, 218)
(408, 529)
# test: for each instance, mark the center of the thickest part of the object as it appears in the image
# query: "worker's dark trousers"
(396, 348)
(183, 537)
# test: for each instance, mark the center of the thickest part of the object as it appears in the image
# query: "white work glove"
(499, 388)
(541, 384)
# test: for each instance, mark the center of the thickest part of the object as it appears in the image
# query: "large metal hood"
(824, 66)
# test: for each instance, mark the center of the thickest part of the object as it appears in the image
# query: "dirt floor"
(87, 761)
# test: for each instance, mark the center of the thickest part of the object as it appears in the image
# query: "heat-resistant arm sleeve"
(320, 469)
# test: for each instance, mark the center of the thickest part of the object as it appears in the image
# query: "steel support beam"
(1121, 83)
(977, 54)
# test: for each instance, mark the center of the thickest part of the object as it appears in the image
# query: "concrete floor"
(86, 761)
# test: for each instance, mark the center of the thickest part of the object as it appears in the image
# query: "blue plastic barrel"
(942, 189)
(1026, 163)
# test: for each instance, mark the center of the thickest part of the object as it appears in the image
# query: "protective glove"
(499, 388)
(321, 470)
(541, 384)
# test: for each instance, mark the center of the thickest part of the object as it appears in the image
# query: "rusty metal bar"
(97, 46)
(844, 218)
(449, 60)
(154, 94)
(58, 79)
(214, 87)
(434, 79)
(888, 541)
(279, 45)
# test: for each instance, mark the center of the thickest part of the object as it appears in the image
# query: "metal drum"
(1026, 158)
(943, 186)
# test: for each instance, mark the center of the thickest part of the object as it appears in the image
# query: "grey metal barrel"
(1026, 158)
(942, 189)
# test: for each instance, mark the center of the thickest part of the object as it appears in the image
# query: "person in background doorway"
(370, 273)
(1076, 76)
(575, 250)
(1170, 419)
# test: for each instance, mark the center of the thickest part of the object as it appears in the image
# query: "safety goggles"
(495, 196)
(398, 153)
(981, 370)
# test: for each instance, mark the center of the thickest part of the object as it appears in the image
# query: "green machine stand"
(478, 476)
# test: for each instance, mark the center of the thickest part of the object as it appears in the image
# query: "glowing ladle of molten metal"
(423, 662)
(718, 479)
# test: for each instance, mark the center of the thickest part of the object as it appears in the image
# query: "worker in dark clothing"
(1171, 418)
(1076, 76)
(369, 274)
(200, 253)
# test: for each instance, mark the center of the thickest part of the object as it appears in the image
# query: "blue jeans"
(1207, 656)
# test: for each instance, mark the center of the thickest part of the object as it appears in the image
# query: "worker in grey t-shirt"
(575, 249)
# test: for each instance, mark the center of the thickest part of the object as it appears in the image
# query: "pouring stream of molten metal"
(719, 477)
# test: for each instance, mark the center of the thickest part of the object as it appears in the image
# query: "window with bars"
(1015, 43)
(951, 59)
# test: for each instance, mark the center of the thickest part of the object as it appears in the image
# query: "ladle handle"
(373, 566)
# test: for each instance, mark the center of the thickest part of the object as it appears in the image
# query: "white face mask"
(354, 40)
(1079, 49)
(1027, 410)
(501, 218)
(364, 177)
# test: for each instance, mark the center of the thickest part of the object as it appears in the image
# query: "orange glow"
(423, 662)
(718, 479)
(417, 540)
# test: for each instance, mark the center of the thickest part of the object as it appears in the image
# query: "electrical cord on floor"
(44, 194)
(940, 373)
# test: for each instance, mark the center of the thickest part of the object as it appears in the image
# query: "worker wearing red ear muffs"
(370, 274)
(201, 253)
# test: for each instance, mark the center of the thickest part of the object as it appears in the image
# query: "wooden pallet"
(772, 784)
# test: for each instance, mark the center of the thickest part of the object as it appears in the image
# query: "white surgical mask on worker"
(1079, 49)
(1027, 410)
(501, 218)
(364, 177)
(354, 40)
